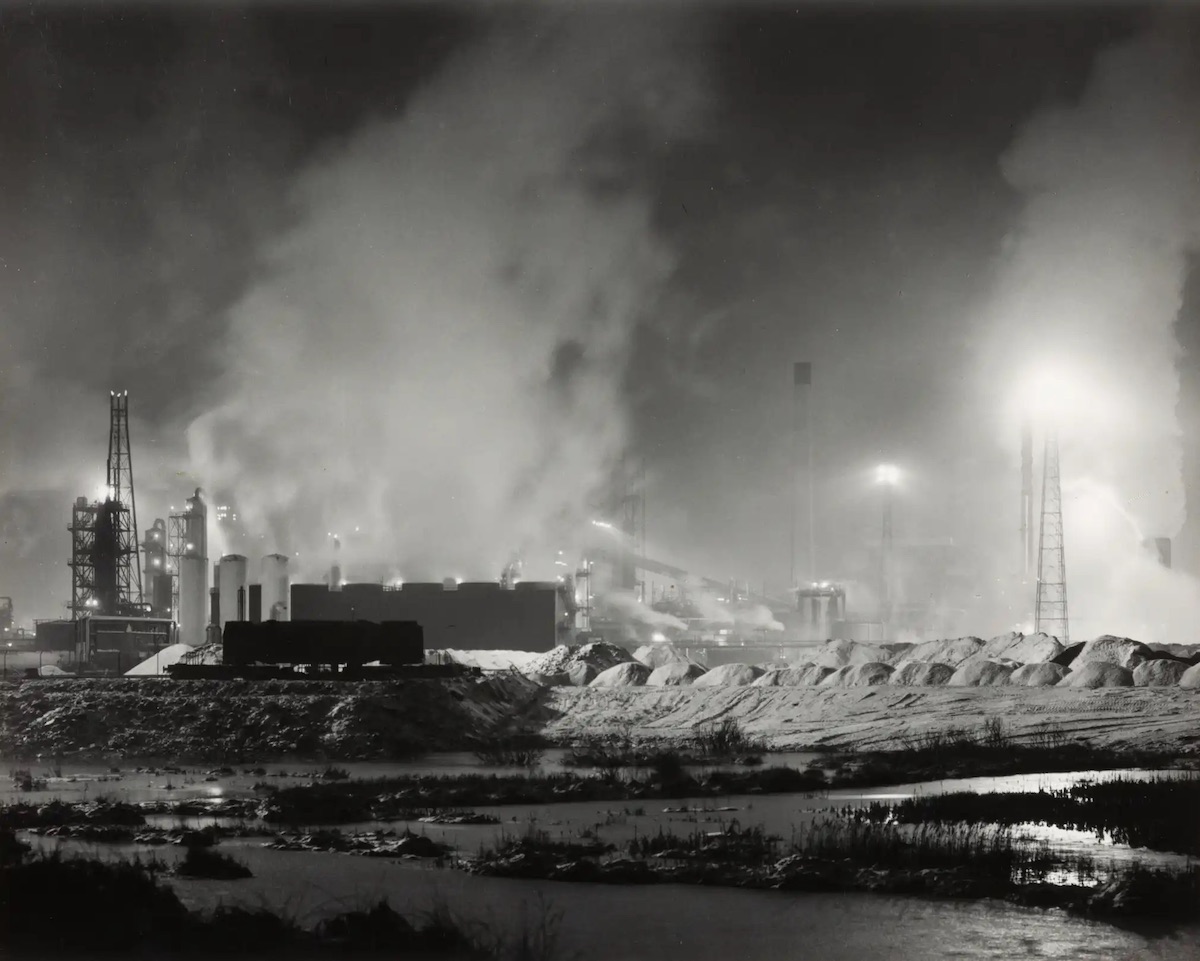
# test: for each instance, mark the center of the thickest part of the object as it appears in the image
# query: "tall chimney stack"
(802, 474)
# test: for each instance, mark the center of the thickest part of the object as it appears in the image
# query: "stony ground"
(242, 720)
(883, 718)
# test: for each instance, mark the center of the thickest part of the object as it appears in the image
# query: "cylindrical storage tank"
(231, 582)
(479, 587)
(275, 591)
(193, 600)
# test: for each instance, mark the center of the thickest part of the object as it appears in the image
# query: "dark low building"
(470, 617)
(327, 643)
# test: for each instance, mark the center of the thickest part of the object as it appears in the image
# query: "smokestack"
(802, 467)
(193, 571)
(231, 588)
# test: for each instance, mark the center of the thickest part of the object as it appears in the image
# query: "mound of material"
(1022, 648)
(952, 652)
(656, 655)
(1186, 652)
(981, 673)
(1067, 657)
(1120, 651)
(730, 675)
(263, 720)
(1162, 672)
(921, 674)
(561, 659)
(157, 663)
(1191, 677)
(804, 675)
(859, 675)
(837, 654)
(1038, 675)
(581, 673)
(1096, 675)
(675, 674)
(493, 660)
(631, 674)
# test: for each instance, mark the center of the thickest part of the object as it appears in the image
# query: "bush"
(727, 740)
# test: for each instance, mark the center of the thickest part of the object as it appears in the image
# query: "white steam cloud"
(1088, 293)
(430, 363)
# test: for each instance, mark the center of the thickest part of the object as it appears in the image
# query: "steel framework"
(84, 597)
(1051, 600)
(122, 506)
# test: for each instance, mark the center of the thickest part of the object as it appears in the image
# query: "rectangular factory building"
(469, 617)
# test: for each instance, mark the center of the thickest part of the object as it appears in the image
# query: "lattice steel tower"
(121, 507)
(1051, 605)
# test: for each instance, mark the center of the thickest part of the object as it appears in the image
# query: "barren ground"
(882, 717)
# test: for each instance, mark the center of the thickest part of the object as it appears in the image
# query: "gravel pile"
(920, 674)
(632, 674)
(981, 673)
(952, 651)
(730, 675)
(1098, 674)
(1191, 677)
(837, 654)
(1165, 672)
(805, 675)
(859, 675)
(560, 660)
(1120, 651)
(1022, 648)
(675, 674)
(1038, 675)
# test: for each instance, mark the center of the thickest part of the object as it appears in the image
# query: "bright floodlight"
(888, 474)
(1059, 394)
(658, 636)
(605, 524)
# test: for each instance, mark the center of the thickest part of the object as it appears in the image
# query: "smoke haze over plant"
(430, 363)
(428, 272)
(1083, 334)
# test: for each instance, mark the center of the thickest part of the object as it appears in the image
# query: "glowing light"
(658, 636)
(1060, 394)
(605, 524)
(888, 474)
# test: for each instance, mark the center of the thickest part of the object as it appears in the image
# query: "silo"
(274, 580)
(193, 599)
(231, 584)
(193, 571)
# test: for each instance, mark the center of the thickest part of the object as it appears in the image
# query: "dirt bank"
(883, 718)
(244, 720)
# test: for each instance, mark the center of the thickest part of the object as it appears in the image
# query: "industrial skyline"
(329, 309)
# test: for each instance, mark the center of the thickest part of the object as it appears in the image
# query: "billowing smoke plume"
(744, 617)
(430, 364)
(625, 609)
(1088, 297)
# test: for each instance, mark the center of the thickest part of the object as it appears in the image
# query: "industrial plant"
(136, 592)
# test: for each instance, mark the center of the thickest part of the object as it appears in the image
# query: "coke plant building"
(467, 616)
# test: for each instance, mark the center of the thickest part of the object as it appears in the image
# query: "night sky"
(685, 199)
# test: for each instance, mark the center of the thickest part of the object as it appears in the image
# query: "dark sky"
(839, 199)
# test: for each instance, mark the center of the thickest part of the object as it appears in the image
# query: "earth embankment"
(259, 720)
(882, 718)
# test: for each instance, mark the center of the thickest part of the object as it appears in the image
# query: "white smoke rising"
(757, 616)
(1089, 290)
(433, 352)
(624, 607)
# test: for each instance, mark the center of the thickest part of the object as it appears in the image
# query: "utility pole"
(1051, 600)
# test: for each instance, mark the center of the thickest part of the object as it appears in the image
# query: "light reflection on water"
(680, 923)
(615, 923)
